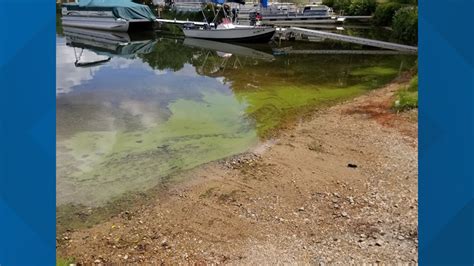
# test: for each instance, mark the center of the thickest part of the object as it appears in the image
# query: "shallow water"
(131, 113)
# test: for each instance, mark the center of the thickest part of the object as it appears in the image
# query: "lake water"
(134, 110)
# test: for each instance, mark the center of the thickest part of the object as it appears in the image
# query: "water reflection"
(124, 124)
(133, 109)
(228, 49)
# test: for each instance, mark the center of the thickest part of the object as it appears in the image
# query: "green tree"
(405, 25)
(352, 7)
(362, 7)
(342, 5)
(329, 3)
(405, 2)
(384, 13)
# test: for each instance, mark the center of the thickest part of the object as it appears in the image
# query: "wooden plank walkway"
(356, 17)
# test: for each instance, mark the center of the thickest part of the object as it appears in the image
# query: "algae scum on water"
(128, 124)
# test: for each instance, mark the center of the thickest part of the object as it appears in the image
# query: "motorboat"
(229, 32)
(226, 30)
(110, 15)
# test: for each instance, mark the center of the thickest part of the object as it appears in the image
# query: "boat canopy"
(125, 9)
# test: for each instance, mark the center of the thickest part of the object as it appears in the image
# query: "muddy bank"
(340, 186)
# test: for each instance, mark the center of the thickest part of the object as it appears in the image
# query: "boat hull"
(239, 34)
(108, 23)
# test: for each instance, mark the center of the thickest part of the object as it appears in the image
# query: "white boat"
(231, 33)
(111, 15)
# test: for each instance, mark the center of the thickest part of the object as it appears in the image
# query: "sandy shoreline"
(338, 187)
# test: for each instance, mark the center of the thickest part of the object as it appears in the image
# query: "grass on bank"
(407, 98)
(64, 261)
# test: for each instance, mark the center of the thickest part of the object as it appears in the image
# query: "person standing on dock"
(234, 15)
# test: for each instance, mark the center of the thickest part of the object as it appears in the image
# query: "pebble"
(351, 200)
(379, 242)
(301, 209)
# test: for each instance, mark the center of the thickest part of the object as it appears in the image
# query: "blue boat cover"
(218, 1)
(125, 9)
(264, 3)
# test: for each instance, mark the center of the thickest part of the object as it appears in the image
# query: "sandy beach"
(337, 186)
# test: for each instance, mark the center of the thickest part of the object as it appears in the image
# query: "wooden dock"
(310, 20)
(286, 51)
(356, 17)
(346, 38)
(291, 22)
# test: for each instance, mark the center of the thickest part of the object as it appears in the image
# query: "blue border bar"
(27, 132)
(446, 143)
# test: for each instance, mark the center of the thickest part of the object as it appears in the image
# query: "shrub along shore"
(400, 15)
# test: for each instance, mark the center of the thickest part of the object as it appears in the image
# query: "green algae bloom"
(106, 164)
(128, 126)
